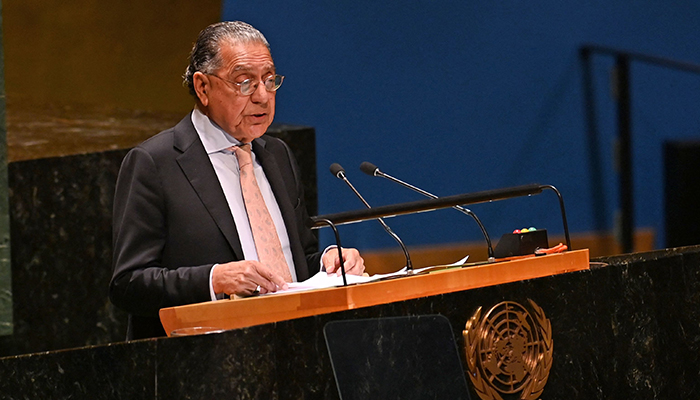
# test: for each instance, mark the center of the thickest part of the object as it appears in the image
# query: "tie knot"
(243, 154)
(244, 146)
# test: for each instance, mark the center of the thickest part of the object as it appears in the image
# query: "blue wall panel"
(461, 96)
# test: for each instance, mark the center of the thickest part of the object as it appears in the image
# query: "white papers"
(460, 262)
(322, 280)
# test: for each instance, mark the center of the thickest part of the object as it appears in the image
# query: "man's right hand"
(243, 278)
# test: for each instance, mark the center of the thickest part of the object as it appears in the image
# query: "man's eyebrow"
(248, 67)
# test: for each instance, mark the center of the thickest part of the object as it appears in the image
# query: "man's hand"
(354, 264)
(243, 278)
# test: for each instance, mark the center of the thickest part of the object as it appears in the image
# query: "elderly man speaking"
(212, 207)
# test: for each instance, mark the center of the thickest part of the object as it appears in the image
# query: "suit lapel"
(196, 166)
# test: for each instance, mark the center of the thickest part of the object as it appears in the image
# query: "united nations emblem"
(509, 351)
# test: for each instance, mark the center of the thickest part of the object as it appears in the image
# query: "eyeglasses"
(249, 86)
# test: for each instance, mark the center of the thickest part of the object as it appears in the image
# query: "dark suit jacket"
(172, 223)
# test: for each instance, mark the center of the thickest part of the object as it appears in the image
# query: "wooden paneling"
(251, 311)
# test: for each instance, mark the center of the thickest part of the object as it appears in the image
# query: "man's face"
(243, 117)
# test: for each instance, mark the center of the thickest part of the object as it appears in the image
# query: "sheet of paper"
(322, 280)
(460, 262)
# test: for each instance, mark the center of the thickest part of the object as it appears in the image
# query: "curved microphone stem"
(340, 174)
(337, 243)
(563, 214)
(371, 169)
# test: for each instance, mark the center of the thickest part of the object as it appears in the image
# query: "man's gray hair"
(206, 52)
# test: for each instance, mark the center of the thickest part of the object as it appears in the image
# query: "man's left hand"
(354, 263)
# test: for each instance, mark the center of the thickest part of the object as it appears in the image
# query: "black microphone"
(372, 170)
(339, 172)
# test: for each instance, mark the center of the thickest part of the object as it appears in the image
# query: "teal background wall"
(462, 96)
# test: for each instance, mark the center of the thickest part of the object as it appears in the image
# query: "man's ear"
(202, 86)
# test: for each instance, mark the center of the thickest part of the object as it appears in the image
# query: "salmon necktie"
(267, 243)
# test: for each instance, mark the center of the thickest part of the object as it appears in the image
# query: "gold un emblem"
(508, 351)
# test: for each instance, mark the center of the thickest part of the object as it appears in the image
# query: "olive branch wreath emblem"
(534, 370)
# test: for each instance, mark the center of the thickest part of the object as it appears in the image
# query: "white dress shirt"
(216, 142)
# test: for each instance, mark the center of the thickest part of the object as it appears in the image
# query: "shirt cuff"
(211, 283)
(323, 267)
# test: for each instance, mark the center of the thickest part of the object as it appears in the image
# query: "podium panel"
(412, 357)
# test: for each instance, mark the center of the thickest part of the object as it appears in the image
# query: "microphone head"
(337, 170)
(369, 168)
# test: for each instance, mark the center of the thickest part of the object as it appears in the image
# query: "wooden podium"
(240, 313)
(632, 315)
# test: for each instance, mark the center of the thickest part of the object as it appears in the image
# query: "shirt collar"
(212, 136)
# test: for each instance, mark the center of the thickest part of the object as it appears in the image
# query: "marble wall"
(627, 328)
(60, 211)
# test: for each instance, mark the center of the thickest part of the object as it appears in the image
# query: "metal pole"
(624, 153)
(596, 178)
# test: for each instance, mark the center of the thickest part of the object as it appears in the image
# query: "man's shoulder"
(180, 136)
(158, 141)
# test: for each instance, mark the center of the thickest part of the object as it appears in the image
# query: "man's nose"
(260, 94)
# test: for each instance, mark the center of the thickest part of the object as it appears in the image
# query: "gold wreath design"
(540, 374)
(544, 363)
(484, 390)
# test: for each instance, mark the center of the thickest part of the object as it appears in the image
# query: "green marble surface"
(5, 270)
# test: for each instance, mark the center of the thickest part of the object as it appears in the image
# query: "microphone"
(339, 172)
(372, 170)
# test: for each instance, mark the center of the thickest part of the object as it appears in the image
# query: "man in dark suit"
(181, 231)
